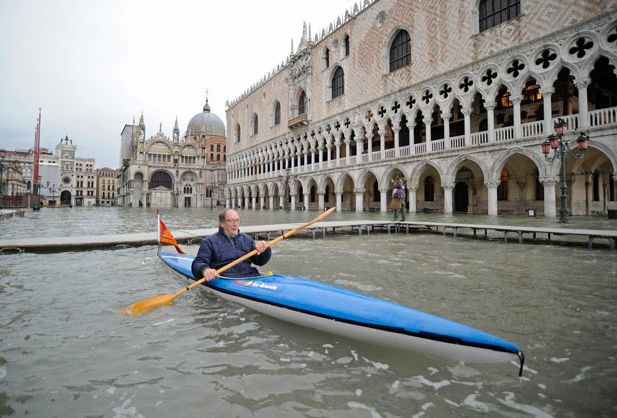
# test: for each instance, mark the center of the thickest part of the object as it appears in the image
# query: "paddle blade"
(149, 304)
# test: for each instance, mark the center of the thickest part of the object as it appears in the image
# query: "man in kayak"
(227, 245)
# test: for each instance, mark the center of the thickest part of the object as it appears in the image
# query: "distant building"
(164, 172)
(106, 185)
(77, 176)
(16, 171)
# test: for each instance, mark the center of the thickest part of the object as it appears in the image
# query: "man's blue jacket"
(218, 250)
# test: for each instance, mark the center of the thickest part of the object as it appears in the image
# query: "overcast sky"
(93, 65)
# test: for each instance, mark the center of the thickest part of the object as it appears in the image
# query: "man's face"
(231, 224)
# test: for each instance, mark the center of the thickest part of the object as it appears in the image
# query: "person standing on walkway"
(227, 245)
(398, 198)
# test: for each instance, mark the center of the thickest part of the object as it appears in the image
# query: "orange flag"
(165, 236)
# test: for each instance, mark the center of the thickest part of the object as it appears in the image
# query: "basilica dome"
(206, 123)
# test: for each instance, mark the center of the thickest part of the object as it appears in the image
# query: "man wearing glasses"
(227, 245)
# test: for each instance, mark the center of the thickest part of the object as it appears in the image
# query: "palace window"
(277, 113)
(346, 45)
(255, 124)
(326, 57)
(494, 12)
(302, 104)
(237, 133)
(338, 83)
(400, 51)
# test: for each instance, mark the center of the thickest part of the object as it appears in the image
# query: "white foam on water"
(167, 321)
(126, 411)
(434, 385)
(2, 373)
(559, 360)
(529, 409)
(111, 390)
(395, 387)
(424, 408)
(471, 402)
(581, 375)
(358, 392)
(358, 405)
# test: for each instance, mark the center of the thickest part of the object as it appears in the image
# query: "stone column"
(447, 197)
(412, 199)
(262, 202)
(383, 200)
(547, 93)
(337, 144)
(446, 130)
(428, 120)
(359, 149)
(227, 203)
(583, 107)
(359, 200)
(320, 199)
(412, 136)
(382, 141)
(339, 201)
(254, 202)
(306, 201)
(347, 150)
(293, 200)
(490, 116)
(396, 129)
(516, 103)
(466, 110)
(271, 202)
(492, 197)
(550, 207)
(369, 143)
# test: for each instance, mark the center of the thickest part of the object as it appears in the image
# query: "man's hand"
(209, 274)
(261, 246)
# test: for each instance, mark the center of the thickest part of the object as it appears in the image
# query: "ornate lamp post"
(561, 150)
(286, 189)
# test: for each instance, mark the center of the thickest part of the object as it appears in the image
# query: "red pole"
(37, 151)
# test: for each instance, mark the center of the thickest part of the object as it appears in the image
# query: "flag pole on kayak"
(155, 302)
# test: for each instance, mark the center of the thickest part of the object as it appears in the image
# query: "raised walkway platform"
(520, 233)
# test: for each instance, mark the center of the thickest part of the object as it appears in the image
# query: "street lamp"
(286, 190)
(561, 150)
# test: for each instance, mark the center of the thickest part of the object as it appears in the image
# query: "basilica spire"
(176, 133)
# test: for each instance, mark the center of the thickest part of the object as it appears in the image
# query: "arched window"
(338, 83)
(326, 57)
(400, 51)
(161, 179)
(346, 45)
(429, 189)
(302, 104)
(255, 124)
(277, 113)
(188, 189)
(502, 189)
(237, 133)
(494, 12)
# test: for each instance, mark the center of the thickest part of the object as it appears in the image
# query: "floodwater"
(66, 351)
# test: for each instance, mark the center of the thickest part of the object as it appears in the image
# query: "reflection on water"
(66, 351)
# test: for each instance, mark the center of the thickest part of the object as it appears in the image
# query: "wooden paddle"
(155, 302)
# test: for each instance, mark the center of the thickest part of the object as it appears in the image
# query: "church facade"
(457, 98)
(173, 172)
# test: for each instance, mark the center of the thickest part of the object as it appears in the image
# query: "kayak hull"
(357, 316)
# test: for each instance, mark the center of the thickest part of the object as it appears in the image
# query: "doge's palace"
(455, 97)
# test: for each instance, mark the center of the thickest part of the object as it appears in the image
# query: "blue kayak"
(354, 315)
